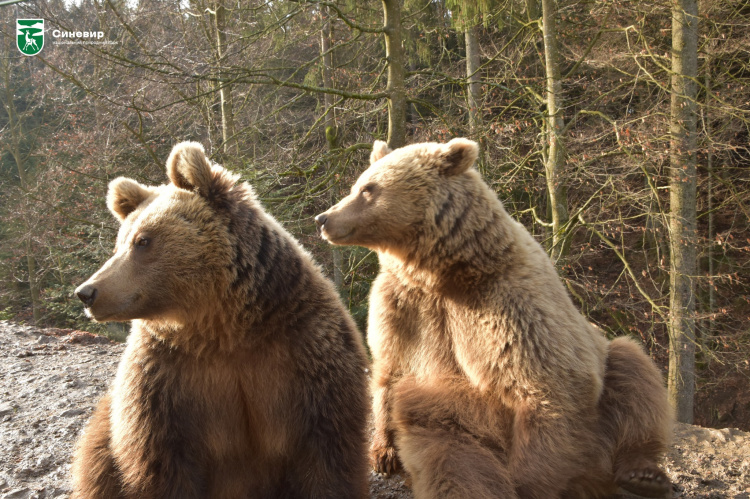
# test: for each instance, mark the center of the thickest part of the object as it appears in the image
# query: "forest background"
(615, 131)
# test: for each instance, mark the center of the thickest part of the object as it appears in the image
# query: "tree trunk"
(394, 53)
(682, 198)
(555, 164)
(472, 76)
(710, 204)
(473, 88)
(331, 132)
(206, 107)
(225, 90)
(36, 302)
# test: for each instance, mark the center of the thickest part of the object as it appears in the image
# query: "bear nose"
(321, 219)
(87, 294)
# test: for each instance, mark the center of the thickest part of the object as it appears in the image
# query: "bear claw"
(646, 482)
(384, 460)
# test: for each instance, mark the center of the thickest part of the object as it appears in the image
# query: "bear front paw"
(384, 459)
(647, 482)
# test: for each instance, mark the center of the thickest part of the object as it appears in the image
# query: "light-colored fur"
(487, 380)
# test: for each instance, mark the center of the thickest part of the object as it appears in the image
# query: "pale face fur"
(161, 267)
(388, 205)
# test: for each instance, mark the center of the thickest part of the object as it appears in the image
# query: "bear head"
(395, 200)
(172, 248)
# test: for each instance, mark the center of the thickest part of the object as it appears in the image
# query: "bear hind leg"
(637, 419)
(448, 466)
(450, 443)
(645, 479)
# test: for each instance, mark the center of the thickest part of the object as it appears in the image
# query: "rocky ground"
(51, 379)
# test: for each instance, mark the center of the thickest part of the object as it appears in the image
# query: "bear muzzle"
(320, 227)
(104, 305)
(113, 292)
(333, 227)
(325, 231)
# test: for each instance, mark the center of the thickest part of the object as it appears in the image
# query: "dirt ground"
(51, 379)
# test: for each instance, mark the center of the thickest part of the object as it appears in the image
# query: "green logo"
(30, 36)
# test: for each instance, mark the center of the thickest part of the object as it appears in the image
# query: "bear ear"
(458, 156)
(125, 195)
(379, 149)
(188, 168)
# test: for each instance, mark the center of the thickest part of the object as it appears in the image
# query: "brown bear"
(244, 376)
(486, 379)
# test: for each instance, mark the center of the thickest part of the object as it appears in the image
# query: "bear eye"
(367, 190)
(142, 241)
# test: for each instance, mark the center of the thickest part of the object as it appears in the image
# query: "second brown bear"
(487, 380)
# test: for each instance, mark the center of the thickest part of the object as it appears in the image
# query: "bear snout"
(320, 221)
(87, 294)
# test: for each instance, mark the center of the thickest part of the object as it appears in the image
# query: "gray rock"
(45, 339)
(6, 408)
(24, 493)
(72, 412)
(23, 471)
(44, 461)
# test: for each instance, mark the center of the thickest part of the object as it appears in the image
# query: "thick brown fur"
(487, 381)
(244, 376)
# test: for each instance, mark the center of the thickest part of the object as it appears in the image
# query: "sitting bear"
(244, 376)
(487, 381)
